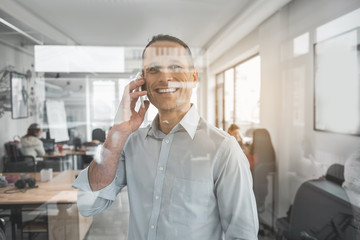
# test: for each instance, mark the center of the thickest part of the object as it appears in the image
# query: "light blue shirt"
(194, 183)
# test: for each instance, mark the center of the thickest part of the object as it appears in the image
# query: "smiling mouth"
(166, 90)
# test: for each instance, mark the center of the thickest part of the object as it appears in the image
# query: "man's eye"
(175, 68)
(154, 70)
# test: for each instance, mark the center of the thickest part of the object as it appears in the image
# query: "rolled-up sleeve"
(235, 195)
(94, 202)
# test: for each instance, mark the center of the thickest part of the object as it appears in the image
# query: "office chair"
(15, 161)
(2, 229)
(12, 151)
(45, 164)
(98, 134)
(319, 206)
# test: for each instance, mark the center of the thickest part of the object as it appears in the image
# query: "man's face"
(169, 77)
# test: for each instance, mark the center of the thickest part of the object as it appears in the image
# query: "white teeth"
(166, 90)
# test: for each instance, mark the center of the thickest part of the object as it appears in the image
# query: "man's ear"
(195, 76)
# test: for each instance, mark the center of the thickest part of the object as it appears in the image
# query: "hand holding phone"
(138, 76)
(132, 92)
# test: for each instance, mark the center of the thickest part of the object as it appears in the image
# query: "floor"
(113, 223)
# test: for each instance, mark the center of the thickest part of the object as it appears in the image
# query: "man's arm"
(103, 170)
(235, 195)
(105, 177)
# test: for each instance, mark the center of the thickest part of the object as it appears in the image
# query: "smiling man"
(186, 179)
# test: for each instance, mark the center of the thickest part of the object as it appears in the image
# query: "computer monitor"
(49, 145)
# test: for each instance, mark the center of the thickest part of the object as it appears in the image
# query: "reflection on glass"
(301, 44)
(104, 100)
(337, 104)
(79, 59)
(338, 25)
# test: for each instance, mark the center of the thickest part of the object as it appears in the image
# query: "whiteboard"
(56, 116)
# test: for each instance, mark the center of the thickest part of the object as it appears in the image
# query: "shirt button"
(152, 226)
(157, 197)
(167, 140)
(161, 168)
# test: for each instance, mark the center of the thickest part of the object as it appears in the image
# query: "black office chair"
(15, 161)
(321, 209)
(46, 164)
(98, 134)
(2, 229)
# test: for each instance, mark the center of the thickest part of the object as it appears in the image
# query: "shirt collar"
(189, 122)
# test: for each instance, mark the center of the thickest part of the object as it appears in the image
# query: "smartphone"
(138, 75)
(119, 113)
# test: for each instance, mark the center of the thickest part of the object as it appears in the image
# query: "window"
(238, 94)
(104, 100)
(229, 96)
(219, 101)
(247, 91)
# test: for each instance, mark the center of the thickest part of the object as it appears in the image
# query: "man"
(186, 179)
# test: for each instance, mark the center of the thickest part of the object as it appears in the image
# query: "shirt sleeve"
(94, 202)
(235, 196)
(40, 148)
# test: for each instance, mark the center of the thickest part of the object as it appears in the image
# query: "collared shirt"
(193, 183)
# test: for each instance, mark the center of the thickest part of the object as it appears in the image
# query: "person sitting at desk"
(30, 143)
(234, 130)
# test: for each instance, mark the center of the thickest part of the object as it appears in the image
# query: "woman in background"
(30, 143)
(234, 131)
(263, 154)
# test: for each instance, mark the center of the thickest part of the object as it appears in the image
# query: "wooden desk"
(59, 198)
(64, 154)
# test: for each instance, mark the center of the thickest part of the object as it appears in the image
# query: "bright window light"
(79, 59)
(247, 87)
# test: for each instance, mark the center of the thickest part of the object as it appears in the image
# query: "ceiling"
(213, 25)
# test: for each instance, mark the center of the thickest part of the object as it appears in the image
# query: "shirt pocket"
(189, 201)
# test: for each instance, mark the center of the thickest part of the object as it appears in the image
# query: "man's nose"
(165, 75)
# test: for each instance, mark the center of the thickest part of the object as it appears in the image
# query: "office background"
(287, 88)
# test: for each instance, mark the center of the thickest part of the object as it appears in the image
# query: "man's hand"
(127, 119)
(126, 110)
(102, 171)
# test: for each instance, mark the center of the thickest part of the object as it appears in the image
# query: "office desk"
(63, 155)
(59, 199)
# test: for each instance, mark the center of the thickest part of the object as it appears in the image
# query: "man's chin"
(172, 107)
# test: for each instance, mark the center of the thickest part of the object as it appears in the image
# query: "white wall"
(21, 59)
(287, 88)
